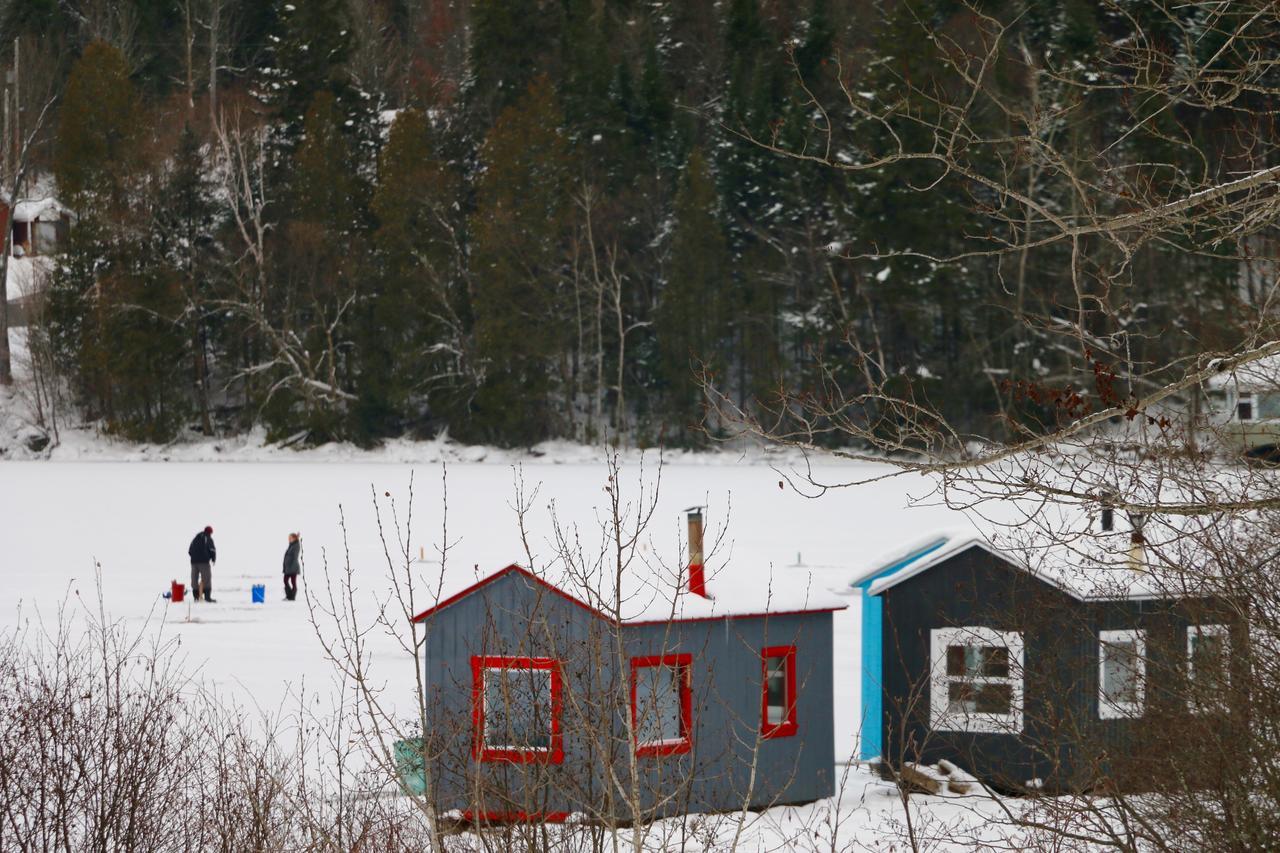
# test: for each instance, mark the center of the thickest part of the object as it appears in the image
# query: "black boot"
(209, 598)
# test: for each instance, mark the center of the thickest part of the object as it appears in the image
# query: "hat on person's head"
(208, 529)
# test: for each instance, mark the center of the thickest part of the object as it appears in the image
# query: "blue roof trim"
(865, 583)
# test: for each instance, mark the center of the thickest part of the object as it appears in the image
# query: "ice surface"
(135, 520)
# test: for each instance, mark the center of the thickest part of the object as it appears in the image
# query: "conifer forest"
(520, 220)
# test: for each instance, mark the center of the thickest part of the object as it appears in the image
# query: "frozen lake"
(135, 520)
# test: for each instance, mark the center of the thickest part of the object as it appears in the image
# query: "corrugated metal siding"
(727, 694)
(726, 676)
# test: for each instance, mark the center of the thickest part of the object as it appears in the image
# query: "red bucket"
(176, 591)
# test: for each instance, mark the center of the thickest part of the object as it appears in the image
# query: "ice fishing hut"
(1049, 669)
(544, 688)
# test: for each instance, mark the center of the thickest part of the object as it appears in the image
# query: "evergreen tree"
(413, 333)
(513, 42)
(320, 265)
(114, 301)
(99, 143)
(326, 190)
(692, 322)
(518, 264)
(185, 224)
(310, 45)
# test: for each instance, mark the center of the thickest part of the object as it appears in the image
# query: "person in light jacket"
(203, 555)
(292, 566)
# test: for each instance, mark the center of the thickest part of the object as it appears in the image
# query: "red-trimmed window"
(778, 702)
(515, 709)
(662, 704)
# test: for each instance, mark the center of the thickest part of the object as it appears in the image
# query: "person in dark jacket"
(292, 566)
(203, 555)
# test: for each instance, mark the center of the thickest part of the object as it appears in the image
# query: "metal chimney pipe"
(697, 574)
(1137, 541)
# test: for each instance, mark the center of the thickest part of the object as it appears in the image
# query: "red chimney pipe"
(697, 576)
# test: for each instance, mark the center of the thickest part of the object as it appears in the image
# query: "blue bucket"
(259, 593)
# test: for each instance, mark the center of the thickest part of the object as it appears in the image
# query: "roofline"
(934, 559)
(893, 580)
(764, 615)
(901, 559)
(503, 572)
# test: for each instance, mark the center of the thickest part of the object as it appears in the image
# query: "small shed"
(1245, 405)
(1070, 670)
(39, 226)
(625, 696)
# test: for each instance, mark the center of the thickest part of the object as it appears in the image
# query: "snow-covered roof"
(1089, 565)
(1189, 548)
(1112, 580)
(1255, 375)
(29, 210)
(659, 596)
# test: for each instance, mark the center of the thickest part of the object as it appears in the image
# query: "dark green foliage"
(693, 314)
(412, 337)
(310, 45)
(100, 134)
(572, 214)
(519, 258)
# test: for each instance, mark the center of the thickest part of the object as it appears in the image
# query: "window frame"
(790, 721)
(1107, 520)
(1107, 709)
(940, 716)
(1215, 629)
(683, 664)
(1250, 399)
(481, 751)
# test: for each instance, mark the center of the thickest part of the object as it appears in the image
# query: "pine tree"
(115, 299)
(413, 334)
(310, 45)
(320, 269)
(512, 43)
(185, 225)
(98, 148)
(326, 189)
(518, 262)
(692, 323)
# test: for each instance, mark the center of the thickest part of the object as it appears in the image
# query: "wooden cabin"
(1058, 675)
(542, 691)
(39, 226)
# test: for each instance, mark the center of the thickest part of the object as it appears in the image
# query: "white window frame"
(1250, 398)
(1212, 630)
(940, 716)
(1107, 709)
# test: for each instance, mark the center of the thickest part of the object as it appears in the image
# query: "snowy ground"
(26, 276)
(58, 520)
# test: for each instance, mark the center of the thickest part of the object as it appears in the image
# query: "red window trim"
(684, 664)
(789, 726)
(554, 755)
